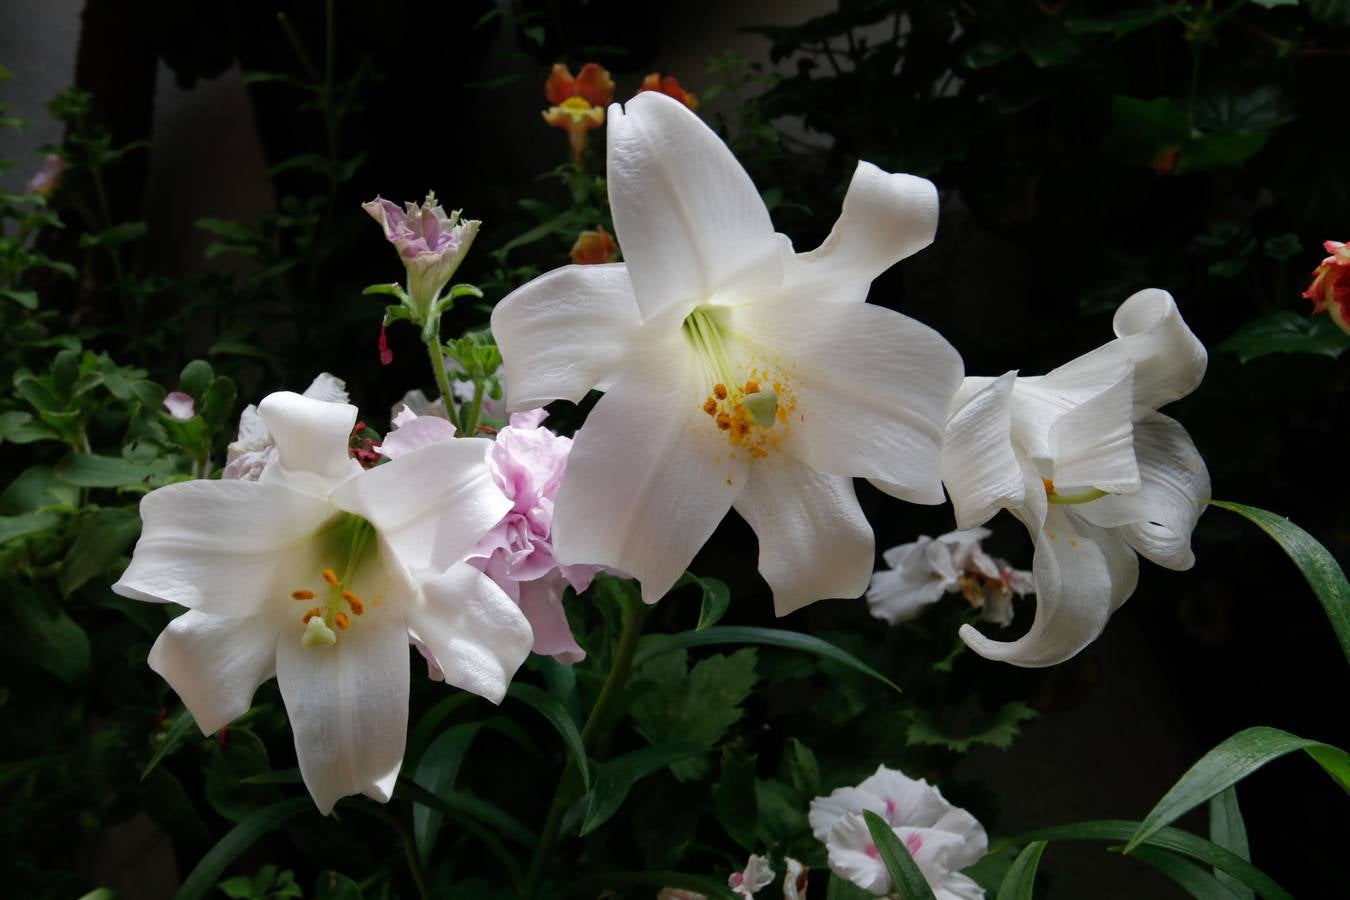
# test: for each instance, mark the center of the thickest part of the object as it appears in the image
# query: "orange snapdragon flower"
(1330, 288)
(594, 247)
(578, 103)
(670, 87)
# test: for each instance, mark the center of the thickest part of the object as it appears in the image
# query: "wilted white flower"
(923, 571)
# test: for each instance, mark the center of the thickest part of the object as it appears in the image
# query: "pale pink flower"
(756, 875)
(180, 405)
(46, 180)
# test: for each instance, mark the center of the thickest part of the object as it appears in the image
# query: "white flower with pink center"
(942, 838)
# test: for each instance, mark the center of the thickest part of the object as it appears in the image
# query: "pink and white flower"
(756, 875)
(430, 243)
(922, 571)
(942, 839)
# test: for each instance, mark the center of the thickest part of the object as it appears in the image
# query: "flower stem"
(470, 422)
(433, 342)
(634, 615)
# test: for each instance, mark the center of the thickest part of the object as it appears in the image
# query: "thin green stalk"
(433, 342)
(634, 615)
(470, 423)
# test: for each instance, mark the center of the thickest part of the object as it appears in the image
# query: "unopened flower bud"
(430, 243)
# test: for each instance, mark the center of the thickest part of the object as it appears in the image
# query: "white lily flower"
(922, 571)
(253, 450)
(1094, 472)
(736, 372)
(942, 839)
(321, 573)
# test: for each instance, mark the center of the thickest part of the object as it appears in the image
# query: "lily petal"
(1158, 519)
(814, 541)
(886, 217)
(1092, 445)
(476, 634)
(215, 664)
(311, 435)
(872, 389)
(978, 466)
(647, 480)
(220, 547)
(1169, 360)
(1082, 574)
(348, 706)
(431, 505)
(688, 217)
(564, 333)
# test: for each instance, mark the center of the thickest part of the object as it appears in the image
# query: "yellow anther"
(720, 391)
(752, 387)
(302, 595)
(1049, 487)
(354, 602)
(723, 421)
(710, 406)
(341, 621)
(311, 614)
(330, 576)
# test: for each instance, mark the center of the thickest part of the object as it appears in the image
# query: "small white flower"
(756, 875)
(321, 573)
(942, 838)
(923, 571)
(1081, 457)
(252, 451)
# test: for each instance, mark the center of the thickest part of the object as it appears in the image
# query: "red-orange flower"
(670, 87)
(594, 247)
(1330, 288)
(578, 103)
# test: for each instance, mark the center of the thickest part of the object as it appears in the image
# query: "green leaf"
(1318, 566)
(1192, 878)
(906, 879)
(94, 471)
(1227, 829)
(114, 236)
(1229, 763)
(170, 740)
(26, 299)
(234, 231)
(1018, 884)
(426, 726)
(461, 806)
(196, 378)
(769, 637)
(614, 778)
(803, 772)
(696, 705)
(50, 638)
(103, 538)
(1167, 839)
(997, 730)
(716, 599)
(1286, 331)
(238, 839)
(1272, 4)
(734, 796)
(1118, 24)
(550, 708)
(13, 527)
(437, 772)
(217, 402)
(332, 885)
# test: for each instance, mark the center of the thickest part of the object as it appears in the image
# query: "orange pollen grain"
(720, 391)
(341, 621)
(752, 387)
(302, 595)
(311, 614)
(330, 576)
(354, 602)
(710, 406)
(723, 421)
(1049, 486)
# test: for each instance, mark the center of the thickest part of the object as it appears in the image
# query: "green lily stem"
(634, 615)
(432, 339)
(469, 417)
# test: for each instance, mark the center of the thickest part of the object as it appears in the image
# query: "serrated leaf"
(906, 879)
(1318, 566)
(1229, 763)
(696, 705)
(996, 731)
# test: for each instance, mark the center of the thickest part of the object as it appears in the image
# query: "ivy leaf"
(1286, 332)
(996, 731)
(695, 705)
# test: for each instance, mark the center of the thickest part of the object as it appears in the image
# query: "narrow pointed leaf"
(172, 740)
(1319, 567)
(1229, 763)
(465, 806)
(436, 772)
(550, 708)
(614, 778)
(1021, 878)
(202, 881)
(769, 637)
(1227, 829)
(906, 879)
(1193, 879)
(1167, 839)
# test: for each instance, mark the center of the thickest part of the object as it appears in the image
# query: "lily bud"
(430, 243)
(1330, 288)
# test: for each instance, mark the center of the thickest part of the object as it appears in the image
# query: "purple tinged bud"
(430, 243)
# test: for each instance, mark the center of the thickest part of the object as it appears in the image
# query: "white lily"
(1094, 472)
(736, 372)
(942, 838)
(321, 573)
